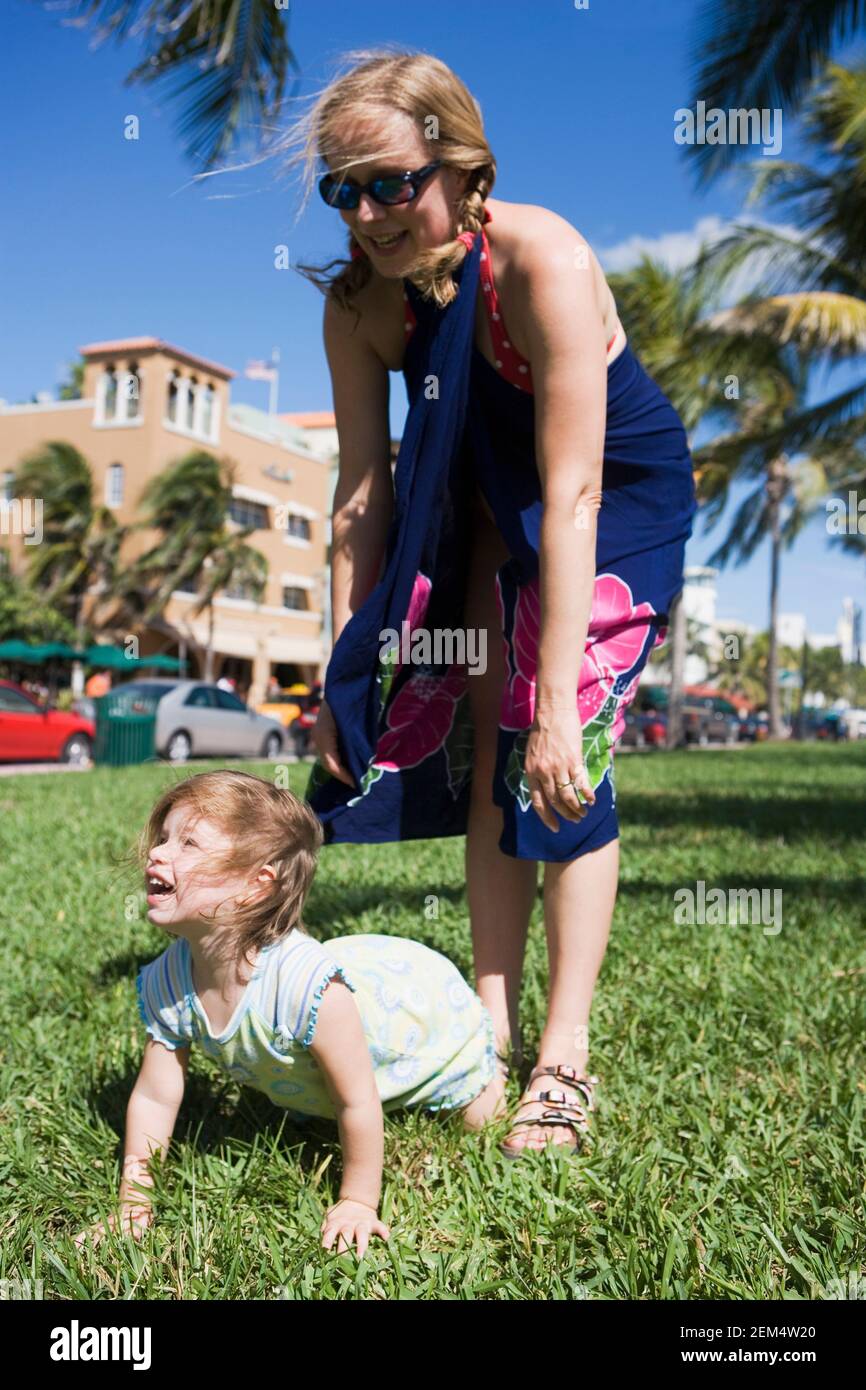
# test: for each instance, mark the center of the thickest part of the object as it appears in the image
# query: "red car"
(29, 732)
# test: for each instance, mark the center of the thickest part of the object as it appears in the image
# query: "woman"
(541, 502)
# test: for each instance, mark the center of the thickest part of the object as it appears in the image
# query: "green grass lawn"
(729, 1158)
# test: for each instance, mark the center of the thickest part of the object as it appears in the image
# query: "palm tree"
(228, 58)
(701, 360)
(762, 56)
(188, 504)
(76, 566)
(25, 614)
(748, 674)
(72, 388)
(811, 289)
(786, 492)
(664, 312)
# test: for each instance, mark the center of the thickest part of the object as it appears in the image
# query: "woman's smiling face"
(425, 222)
(181, 888)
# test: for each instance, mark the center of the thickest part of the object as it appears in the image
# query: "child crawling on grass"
(347, 1029)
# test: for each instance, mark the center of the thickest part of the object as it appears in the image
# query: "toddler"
(347, 1029)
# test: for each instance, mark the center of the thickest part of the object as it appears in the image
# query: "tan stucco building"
(144, 405)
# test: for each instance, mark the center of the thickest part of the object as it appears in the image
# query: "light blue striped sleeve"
(162, 1000)
(305, 971)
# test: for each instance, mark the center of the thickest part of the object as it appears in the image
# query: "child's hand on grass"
(132, 1219)
(348, 1220)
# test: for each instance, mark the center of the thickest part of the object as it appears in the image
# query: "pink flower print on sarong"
(415, 617)
(615, 640)
(419, 719)
(421, 715)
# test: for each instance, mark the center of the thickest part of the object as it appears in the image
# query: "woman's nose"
(370, 211)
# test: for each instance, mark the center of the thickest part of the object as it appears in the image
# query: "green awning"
(162, 662)
(110, 658)
(15, 650)
(99, 654)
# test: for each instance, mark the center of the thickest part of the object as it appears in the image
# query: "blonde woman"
(539, 511)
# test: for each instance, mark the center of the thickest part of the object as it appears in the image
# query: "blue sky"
(105, 238)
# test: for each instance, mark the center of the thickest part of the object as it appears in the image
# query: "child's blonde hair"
(379, 82)
(266, 825)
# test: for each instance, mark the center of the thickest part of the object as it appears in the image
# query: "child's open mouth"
(158, 890)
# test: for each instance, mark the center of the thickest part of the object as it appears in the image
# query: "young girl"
(348, 1029)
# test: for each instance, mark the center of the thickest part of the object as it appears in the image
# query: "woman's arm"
(564, 328)
(364, 497)
(340, 1048)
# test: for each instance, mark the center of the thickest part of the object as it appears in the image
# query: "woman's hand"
(554, 754)
(132, 1219)
(348, 1220)
(325, 741)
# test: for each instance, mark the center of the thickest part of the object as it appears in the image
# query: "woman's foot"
(555, 1109)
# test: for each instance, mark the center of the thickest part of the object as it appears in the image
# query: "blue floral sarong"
(405, 729)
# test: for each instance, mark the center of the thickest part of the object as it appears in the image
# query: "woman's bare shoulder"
(533, 243)
(374, 319)
(525, 230)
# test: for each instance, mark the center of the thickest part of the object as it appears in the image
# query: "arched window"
(189, 422)
(131, 392)
(110, 392)
(114, 485)
(207, 400)
(171, 401)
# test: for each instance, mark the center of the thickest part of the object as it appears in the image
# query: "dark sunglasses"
(389, 191)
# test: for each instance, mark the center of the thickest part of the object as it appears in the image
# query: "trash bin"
(125, 728)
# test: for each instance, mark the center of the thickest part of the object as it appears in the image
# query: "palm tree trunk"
(678, 664)
(776, 487)
(208, 660)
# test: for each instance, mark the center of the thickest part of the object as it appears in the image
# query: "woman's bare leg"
(501, 890)
(579, 898)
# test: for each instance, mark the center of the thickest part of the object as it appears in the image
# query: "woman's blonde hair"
(378, 83)
(266, 825)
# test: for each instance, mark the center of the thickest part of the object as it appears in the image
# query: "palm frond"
(764, 56)
(818, 321)
(226, 61)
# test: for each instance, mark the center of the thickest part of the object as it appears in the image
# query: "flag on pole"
(260, 371)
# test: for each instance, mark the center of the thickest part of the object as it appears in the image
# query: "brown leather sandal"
(577, 1120)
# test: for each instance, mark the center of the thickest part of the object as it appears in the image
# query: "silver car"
(197, 718)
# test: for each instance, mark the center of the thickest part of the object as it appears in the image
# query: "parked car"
(853, 722)
(643, 729)
(30, 732)
(751, 729)
(197, 718)
(710, 719)
(285, 707)
(655, 728)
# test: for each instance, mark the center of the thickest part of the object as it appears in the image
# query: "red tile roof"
(127, 345)
(311, 419)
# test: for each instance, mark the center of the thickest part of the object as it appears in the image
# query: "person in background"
(98, 684)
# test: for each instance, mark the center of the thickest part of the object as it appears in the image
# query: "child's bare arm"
(340, 1048)
(150, 1118)
(151, 1114)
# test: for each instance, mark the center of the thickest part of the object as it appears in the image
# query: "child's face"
(180, 858)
